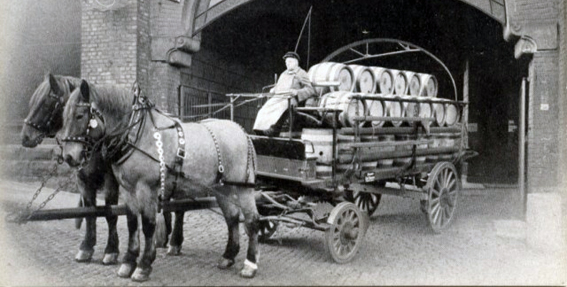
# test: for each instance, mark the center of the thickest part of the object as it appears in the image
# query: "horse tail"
(251, 162)
(251, 170)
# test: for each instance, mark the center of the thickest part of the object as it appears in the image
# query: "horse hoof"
(110, 259)
(84, 256)
(126, 270)
(248, 272)
(174, 250)
(225, 263)
(141, 274)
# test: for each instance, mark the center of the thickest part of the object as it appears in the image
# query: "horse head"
(83, 126)
(46, 108)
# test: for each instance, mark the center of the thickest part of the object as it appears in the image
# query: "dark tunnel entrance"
(249, 41)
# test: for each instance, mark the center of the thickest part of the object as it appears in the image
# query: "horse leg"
(129, 260)
(111, 251)
(226, 201)
(251, 221)
(177, 235)
(86, 249)
(142, 272)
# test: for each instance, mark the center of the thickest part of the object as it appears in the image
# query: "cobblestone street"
(398, 249)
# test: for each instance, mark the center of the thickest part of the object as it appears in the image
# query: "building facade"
(193, 52)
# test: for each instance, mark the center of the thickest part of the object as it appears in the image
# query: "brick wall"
(143, 59)
(163, 79)
(108, 48)
(543, 112)
(542, 11)
(546, 153)
(166, 18)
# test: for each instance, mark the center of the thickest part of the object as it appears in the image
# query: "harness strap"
(220, 171)
(179, 155)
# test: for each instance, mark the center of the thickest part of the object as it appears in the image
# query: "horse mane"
(113, 101)
(67, 83)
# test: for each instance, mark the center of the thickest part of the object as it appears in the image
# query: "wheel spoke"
(435, 206)
(373, 198)
(441, 217)
(451, 184)
(434, 201)
(436, 213)
(445, 177)
(340, 249)
(448, 212)
(352, 216)
(438, 182)
(434, 192)
(450, 176)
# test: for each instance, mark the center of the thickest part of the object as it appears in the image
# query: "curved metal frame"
(407, 48)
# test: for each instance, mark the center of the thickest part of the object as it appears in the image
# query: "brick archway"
(198, 14)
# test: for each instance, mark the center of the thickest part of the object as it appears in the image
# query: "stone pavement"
(398, 249)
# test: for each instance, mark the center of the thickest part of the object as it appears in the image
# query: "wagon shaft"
(116, 210)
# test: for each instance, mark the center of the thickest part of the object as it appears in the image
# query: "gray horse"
(213, 151)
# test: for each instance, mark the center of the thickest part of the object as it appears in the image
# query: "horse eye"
(80, 116)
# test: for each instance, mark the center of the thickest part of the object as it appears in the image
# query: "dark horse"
(45, 119)
(152, 167)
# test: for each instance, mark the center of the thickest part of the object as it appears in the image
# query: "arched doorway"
(252, 36)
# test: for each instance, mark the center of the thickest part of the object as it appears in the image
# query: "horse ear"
(85, 91)
(53, 83)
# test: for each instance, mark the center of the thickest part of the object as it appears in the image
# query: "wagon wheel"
(443, 187)
(267, 229)
(367, 202)
(344, 237)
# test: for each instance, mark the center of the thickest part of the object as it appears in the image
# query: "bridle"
(46, 128)
(87, 140)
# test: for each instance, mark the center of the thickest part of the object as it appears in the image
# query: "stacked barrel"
(396, 93)
(391, 99)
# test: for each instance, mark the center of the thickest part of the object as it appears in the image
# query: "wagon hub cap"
(348, 233)
(444, 198)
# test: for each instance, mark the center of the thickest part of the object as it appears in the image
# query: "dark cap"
(292, 55)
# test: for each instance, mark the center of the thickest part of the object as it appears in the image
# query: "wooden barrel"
(429, 85)
(388, 162)
(331, 72)
(414, 83)
(364, 79)
(393, 109)
(434, 144)
(438, 114)
(425, 110)
(451, 114)
(421, 159)
(321, 141)
(375, 108)
(400, 82)
(384, 80)
(446, 140)
(367, 154)
(408, 108)
(400, 161)
(343, 101)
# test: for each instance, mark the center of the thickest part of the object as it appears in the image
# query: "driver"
(293, 81)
